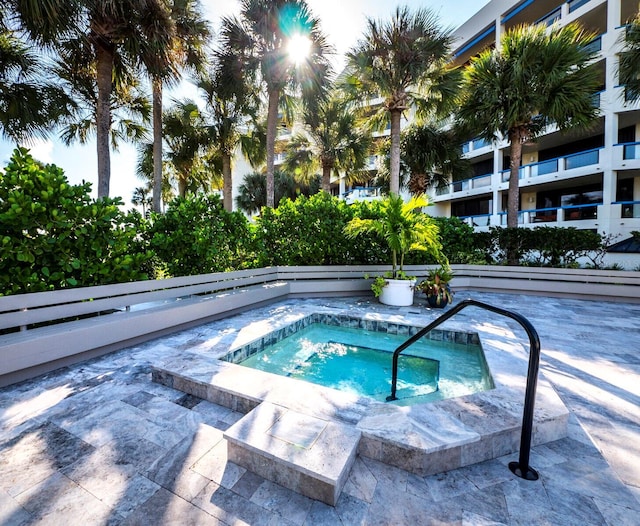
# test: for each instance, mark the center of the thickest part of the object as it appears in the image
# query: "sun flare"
(298, 48)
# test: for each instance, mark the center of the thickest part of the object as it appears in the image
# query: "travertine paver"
(99, 443)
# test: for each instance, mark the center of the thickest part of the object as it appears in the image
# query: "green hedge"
(53, 235)
(197, 236)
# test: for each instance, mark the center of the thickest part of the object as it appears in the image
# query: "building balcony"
(558, 215)
(475, 144)
(373, 193)
(482, 182)
(629, 209)
(557, 166)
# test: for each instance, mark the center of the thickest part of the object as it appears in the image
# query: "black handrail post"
(520, 468)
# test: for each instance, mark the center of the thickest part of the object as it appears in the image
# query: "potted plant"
(404, 228)
(436, 287)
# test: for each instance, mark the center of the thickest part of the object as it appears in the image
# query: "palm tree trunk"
(182, 186)
(513, 196)
(326, 176)
(394, 183)
(272, 120)
(157, 145)
(227, 189)
(104, 66)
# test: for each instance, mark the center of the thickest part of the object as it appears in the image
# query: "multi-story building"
(588, 179)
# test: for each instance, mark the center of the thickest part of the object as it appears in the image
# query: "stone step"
(306, 454)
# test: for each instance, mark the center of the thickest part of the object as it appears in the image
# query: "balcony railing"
(543, 215)
(631, 150)
(479, 181)
(595, 45)
(578, 160)
(474, 144)
(370, 193)
(477, 220)
(580, 212)
(569, 162)
(555, 214)
(549, 18)
(576, 4)
(629, 209)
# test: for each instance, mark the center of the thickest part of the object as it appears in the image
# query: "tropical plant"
(252, 194)
(189, 146)
(535, 77)
(432, 155)
(185, 36)
(436, 286)
(629, 63)
(54, 235)
(262, 35)
(232, 105)
(333, 141)
(29, 103)
(110, 35)
(140, 197)
(403, 227)
(404, 60)
(129, 105)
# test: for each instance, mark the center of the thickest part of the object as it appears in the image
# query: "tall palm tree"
(116, 33)
(186, 36)
(29, 103)
(332, 140)
(535, 77)
(405, 61)
(262, 34)
(629, 65)
(232, 106)
(129, 106)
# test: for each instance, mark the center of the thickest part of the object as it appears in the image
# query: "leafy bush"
(53, 235)
(541, 246)
(309, 231)
(197, 236)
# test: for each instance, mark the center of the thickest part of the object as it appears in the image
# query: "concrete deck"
(99, 443)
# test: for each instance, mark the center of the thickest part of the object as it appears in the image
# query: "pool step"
(306, 454)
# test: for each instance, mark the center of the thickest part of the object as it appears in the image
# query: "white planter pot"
(397, 292)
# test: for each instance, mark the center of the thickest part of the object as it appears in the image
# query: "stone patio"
(100, 443)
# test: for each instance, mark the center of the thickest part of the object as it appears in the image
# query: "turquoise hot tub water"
(359, 361)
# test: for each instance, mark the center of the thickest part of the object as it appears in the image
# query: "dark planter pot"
(433, 302)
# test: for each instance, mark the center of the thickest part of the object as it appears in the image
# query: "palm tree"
(630, 60)
(115, 33)
(404, 228)
(405, 62)
(188, 143)
(333, 141)
(129, 106)
(29, 104)
(535, 77)
(140, 197)
(233, 106)
(252, 194)
(186, 37)
(432, 155)
(261, 35)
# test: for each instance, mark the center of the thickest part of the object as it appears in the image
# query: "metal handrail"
(520, 468)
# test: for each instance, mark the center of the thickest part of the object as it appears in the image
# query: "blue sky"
(342, 20)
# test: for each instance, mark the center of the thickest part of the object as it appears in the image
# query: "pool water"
(360, 362)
